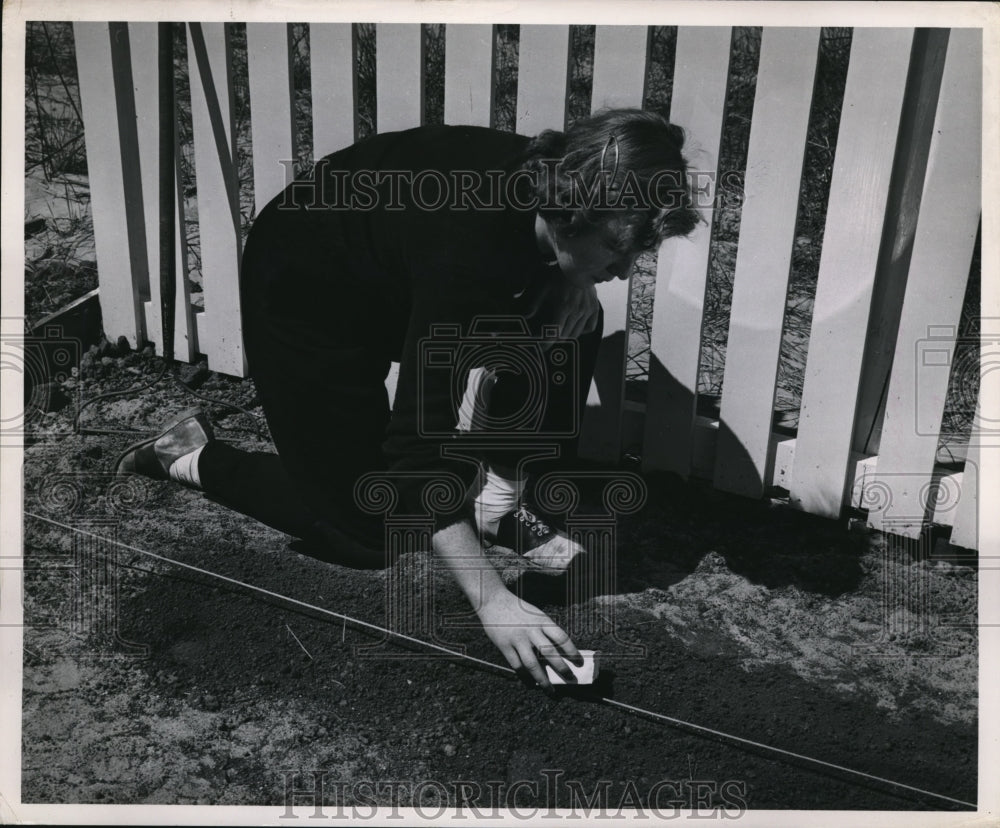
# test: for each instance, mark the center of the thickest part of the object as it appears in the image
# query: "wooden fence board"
(334, 83)
(866, 144)
(935, 290)
(185, 333)
(109, 121)
(399, 76)
(930, 47)
(620, 57)
(469, 63)
(542, 78)
(272, 96)
(698, 104)
(210, 63)
(965, 529)
(144, 41)
(775, 154)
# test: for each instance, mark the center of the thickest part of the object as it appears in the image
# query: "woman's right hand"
(527, 637)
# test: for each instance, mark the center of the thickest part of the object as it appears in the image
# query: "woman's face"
(591, 257)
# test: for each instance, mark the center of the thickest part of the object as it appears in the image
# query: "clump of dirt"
(148, 682)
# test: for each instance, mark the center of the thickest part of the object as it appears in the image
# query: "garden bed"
(743, 617)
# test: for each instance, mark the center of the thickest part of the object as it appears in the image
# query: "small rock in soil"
(193, 376)
(449, 750)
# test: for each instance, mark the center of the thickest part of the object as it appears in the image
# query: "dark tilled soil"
(744, 618)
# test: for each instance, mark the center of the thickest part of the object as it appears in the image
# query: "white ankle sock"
(498, 496)
(185, 469)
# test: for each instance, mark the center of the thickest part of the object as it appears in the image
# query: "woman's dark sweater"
(354, 250)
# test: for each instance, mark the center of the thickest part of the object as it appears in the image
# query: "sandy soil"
(148, 683)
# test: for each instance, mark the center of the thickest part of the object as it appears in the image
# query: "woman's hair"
(625, 163)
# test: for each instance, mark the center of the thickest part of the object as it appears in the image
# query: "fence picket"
(869, 127)
(699, 104)
(334, 84)
(542, 78)
(269, 68)
(144, 41)
(965, 529)
(399, 76)
(935, 289)
(109, 121)
(469, 61)
(185, 333)
(775, 155)
(930, 47)
(210, 63)
(620, 56)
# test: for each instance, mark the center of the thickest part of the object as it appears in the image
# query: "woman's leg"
(256, 484)
(319, 372)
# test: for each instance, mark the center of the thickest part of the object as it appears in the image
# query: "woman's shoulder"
(437, 146)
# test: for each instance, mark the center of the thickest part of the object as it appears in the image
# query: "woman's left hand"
(575, 309)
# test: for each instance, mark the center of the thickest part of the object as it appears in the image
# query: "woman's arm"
(520, 630)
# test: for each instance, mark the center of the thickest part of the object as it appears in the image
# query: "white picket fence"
(903, 209)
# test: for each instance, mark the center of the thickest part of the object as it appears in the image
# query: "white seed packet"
(584, 674)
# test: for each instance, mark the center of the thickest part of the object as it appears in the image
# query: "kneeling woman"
(414, 238)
